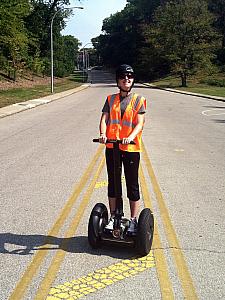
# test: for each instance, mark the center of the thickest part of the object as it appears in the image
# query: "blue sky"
(87, 23)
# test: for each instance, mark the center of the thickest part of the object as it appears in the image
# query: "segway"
(98, 234)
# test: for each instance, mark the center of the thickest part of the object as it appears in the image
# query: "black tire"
(97, 221)
(145, 232)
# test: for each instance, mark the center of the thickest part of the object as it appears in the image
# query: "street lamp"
(52, 64)
(84, 62)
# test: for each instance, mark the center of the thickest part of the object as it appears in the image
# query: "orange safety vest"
(118, 128)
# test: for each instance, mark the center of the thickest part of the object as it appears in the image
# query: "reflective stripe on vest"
(124, 122)
(111, 101)
(118, 128)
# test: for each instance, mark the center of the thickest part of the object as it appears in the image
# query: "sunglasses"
(126, 75)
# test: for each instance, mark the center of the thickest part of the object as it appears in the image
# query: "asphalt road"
(52, 175)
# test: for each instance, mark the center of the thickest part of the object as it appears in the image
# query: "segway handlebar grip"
(132, 142)
(95, 140)
(112, 141)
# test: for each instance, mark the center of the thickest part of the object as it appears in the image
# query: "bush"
(214, 82)
(59, 69)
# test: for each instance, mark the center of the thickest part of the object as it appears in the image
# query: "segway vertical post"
(117, 185)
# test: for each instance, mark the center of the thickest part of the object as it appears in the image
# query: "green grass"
(11, 96)
(194, 85)
(206, 90)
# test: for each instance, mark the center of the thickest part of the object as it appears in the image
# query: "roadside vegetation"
(20, 94)
(160, 38)
(211, 85)
(168, 42)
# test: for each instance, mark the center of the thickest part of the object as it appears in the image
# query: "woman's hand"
(102, 138)
(126, 140)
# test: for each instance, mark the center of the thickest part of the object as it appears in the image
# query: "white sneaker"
(109, 226)
(132, 229)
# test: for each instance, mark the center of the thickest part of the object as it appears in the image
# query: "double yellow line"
(178, 256)
(160, 260)
(161, 266)
(32, 269)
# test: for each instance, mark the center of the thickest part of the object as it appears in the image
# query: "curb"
(21, 106)
(186, 93)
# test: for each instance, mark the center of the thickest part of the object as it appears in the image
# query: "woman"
(123, 117)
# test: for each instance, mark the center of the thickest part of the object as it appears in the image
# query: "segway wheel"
(145, 232)
(97, 221)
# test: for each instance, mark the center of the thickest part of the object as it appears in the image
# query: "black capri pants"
(130, 161)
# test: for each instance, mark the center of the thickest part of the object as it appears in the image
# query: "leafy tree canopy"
(183, 33)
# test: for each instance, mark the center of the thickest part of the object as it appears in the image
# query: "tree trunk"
(183, 80)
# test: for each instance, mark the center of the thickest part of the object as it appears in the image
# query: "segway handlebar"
(113, 141)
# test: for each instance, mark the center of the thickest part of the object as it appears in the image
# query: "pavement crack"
(190, 249)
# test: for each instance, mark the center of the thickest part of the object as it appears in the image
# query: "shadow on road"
(17, 244)
(214, 106)
(219, 121)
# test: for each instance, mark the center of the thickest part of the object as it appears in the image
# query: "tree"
(183, 33)
(120, 39)
(146, 8)
(65, 54)
(38, 23)
(14, 36)
(123, 39)
(217, 7)
(25, 36)
(39, 20)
